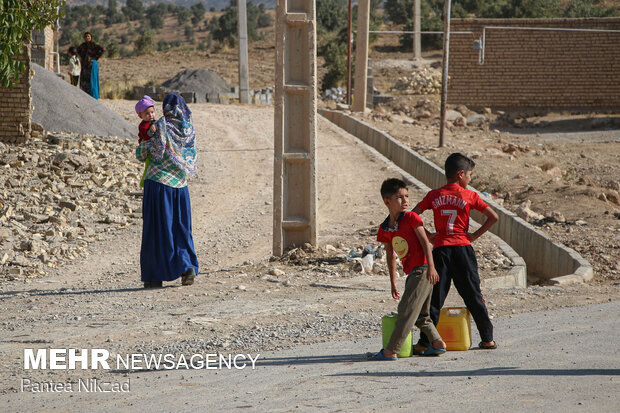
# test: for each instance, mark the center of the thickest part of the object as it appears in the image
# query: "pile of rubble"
(202, 85)
(424, 81)
(59, 192)
(335, 94)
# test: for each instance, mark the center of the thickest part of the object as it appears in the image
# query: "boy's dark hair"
(390, 186)
(458, 162)
(72, 50)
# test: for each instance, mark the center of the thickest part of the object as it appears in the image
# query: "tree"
(335, 54)
(155, 15)
(17, 20)
(226, 30)
(183, 15)
(331, 15)
(264, 20)
(587, 8)
(189, 33)
(113, 50)
(198, 13)
(145, 43)
(134, 10)
(112, 14)
(77, 38)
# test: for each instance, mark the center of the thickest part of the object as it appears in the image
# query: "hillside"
(218, 4)
(120, 74)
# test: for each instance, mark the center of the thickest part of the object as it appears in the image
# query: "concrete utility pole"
(361, 56)
(349, 46)
(417, 28)
(294, 177)
(444, 73)
(242, 29)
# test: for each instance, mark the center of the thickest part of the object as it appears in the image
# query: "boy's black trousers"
(459, 264)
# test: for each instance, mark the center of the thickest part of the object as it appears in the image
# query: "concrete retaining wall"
(544, 258)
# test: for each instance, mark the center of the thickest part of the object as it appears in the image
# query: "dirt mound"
(61, 107)
(201, 81)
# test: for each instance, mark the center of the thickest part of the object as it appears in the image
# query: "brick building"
(42, 48)
(16, 103)
(16, 106)
(536, 68)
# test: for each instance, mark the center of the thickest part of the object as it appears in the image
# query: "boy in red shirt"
(452, 251)
(403, 234)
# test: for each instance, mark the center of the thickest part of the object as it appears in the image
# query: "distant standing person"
(74, 63)
(167, 250)
(89, 53)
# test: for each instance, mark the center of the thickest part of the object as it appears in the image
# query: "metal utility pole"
(444, 71)
(242, 28)
(361, 56)
(417, 28)
(349, 46)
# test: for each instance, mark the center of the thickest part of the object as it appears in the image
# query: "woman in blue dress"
(167, 251)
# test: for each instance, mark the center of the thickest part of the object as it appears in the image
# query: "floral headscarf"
(175, 135)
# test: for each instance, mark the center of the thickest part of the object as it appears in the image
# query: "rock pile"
(201, 81)
(335, 94)
(59, 106)
(59, 192)
(424, 81)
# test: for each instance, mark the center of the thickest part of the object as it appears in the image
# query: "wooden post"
(444, 71)
(361, 56)
(349, 38)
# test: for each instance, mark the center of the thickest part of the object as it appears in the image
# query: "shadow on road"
(492, 371)
(296, 361)
(34, 293)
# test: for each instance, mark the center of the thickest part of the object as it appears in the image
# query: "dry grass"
(121, 89)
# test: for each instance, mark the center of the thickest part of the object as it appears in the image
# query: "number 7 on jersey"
(451, 214)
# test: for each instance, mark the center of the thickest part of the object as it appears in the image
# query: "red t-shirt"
(143, 131)
(451, 205)
(404, 240)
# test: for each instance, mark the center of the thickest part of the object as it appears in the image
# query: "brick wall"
(536, 68)
(16, 106)
(42, 48)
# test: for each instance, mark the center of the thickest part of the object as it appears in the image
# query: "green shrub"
(145, 43)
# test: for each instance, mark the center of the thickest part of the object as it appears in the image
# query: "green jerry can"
(388, 323)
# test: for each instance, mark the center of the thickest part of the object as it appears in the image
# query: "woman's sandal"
(188, 277)
(153, 284)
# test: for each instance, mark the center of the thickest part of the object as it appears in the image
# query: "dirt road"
(242, 301)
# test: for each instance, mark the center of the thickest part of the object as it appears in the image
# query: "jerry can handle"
(454, 311)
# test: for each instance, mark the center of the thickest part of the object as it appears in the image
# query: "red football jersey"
(451, 205)
(404, 240)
